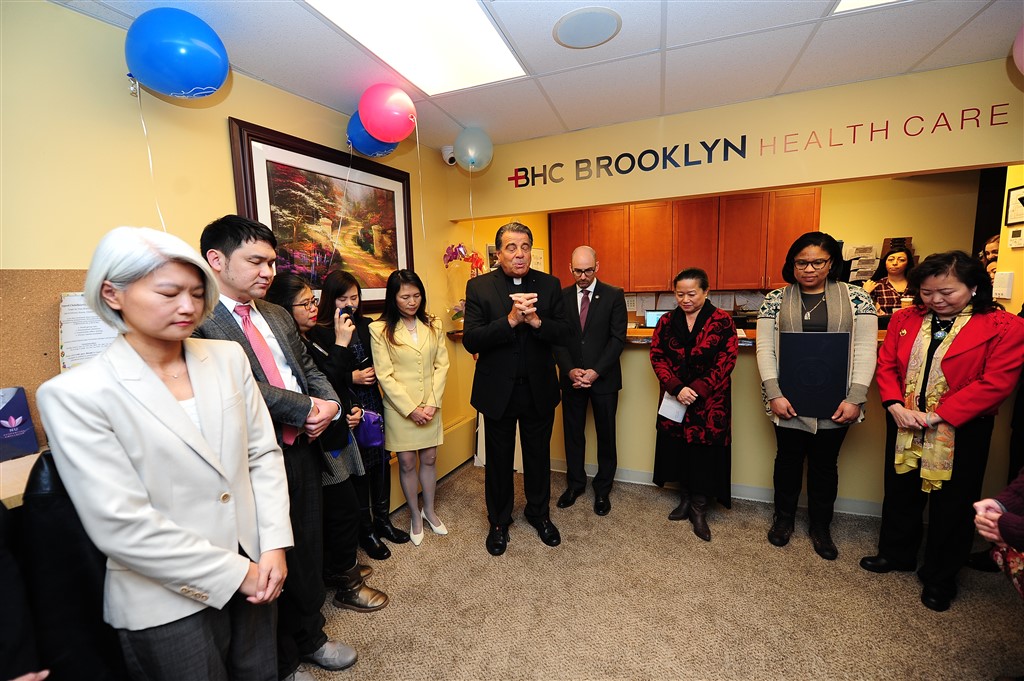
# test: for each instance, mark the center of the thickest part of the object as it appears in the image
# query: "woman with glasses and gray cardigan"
(814, 301)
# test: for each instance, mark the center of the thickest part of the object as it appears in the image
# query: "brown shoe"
(699, 517)
(354, 594)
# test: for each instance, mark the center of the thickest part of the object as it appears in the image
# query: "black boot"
(354, 594)
(782, 529)
(373, 546)
(821, 538)
(380, 502)
(698, 517)
(683, 509)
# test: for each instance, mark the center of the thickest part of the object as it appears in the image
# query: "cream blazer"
(411, 374)
(169, 504)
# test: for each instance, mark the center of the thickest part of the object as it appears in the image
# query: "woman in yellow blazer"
(169, 455)
(411, 362)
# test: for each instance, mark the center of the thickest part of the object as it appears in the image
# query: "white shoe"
(439, 528)
(416, 539)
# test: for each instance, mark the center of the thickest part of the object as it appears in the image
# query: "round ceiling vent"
(587, 27)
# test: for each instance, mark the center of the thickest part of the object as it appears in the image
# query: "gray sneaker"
(333, 655)
(300, 674)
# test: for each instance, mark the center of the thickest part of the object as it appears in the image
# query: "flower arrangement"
(462, 265)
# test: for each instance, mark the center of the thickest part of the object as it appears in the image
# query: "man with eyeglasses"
(514, 316)
(590, 371)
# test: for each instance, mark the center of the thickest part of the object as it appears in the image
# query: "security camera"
(448, 154)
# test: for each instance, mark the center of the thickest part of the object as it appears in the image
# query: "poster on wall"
(328, 209)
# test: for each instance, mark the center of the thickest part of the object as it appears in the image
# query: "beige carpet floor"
(635, 596)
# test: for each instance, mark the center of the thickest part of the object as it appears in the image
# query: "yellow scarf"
(929, 450)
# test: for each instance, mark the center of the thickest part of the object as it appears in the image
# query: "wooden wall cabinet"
(740, 240)
(606, 230)
(650, 246)
(695, 237)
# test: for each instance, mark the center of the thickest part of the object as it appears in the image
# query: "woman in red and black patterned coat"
(693, 352)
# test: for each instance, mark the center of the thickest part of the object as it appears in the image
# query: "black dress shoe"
(781, 530)
(602, 505)
(821, 538)
(881, 565)
(934, 599)
(497, 540)
(386, 530)
(547, 532)
(568, 498)
(373, 546)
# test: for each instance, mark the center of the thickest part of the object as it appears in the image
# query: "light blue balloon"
(365, 143)
(473, 149)
(175, 53)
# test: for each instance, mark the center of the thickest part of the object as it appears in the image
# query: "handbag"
(370, 431)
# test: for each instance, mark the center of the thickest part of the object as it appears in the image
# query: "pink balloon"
(387, 113)
(1018, 50)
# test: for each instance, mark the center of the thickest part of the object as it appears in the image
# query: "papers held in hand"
(672, 409)
(813, 371)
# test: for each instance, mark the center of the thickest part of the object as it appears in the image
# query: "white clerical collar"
(518, 281)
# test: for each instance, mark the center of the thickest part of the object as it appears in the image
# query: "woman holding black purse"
(341, 504)
(341, 291)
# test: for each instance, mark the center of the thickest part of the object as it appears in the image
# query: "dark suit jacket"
(285, 406)
(487, 332)
(599, 345)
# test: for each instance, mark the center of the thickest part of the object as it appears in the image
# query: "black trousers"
(821, 450)
(300, 628)
(950, 509)
(574, 422)
(500, 440)
(341, 527)
(231, 644)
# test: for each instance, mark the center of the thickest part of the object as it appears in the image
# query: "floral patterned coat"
(702, 359)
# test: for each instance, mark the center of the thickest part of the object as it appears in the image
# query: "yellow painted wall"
(1012, 259)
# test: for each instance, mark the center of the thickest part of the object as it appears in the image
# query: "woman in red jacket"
(945, 367)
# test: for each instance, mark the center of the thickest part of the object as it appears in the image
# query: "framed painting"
(1015, 206)
(328, 209)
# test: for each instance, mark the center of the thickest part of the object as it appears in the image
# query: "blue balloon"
(365, 143)
(175, 53)
(473, 149)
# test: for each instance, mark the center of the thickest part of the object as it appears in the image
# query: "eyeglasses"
(587, 272)
(309, 304)
(813, 264)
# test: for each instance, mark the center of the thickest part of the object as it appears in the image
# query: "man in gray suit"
(302, 403)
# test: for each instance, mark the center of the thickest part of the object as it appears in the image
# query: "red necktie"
(266, 358)
(584, 308)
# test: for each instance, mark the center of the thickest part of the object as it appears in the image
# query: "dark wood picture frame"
(1015, 211)
(253, 145)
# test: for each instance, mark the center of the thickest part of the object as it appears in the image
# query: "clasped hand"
(582, 378)
(913, 419)
(987, 520)
(523, 310)
(423, 415)
(264, 581)
(320, 416)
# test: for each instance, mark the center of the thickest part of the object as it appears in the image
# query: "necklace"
(807, 313)
(172, 375)
(941, 329)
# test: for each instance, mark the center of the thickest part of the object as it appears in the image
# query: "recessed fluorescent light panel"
(851, 5)
(437, 46)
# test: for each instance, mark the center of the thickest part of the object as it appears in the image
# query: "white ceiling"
(671, 56)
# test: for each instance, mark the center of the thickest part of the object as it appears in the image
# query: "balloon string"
(335, 241)
(419, 171)
(149, 152)
(472, 218)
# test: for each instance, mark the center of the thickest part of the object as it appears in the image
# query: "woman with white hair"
(168, 453)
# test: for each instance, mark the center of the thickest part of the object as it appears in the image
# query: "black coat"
(488, 333)
(598, 346)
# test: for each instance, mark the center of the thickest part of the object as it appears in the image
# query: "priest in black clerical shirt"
(514, 315)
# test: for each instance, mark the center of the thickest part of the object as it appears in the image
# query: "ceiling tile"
(988, 36)
(701, 20)
(722, 72)
(605, 94)
(501, 111)
(884, 42)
